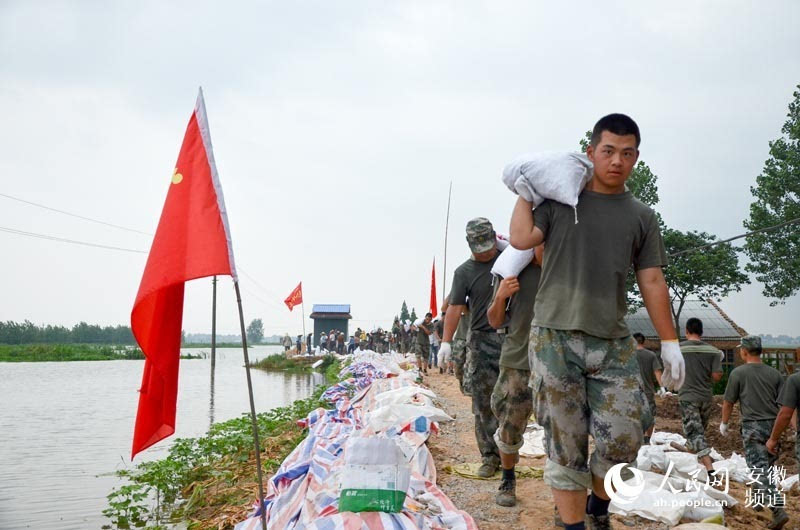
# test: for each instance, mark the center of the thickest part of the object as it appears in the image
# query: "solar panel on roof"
(715, 326)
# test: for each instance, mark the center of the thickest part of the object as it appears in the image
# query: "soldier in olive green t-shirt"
(703, 369)
(511, 312)
(650, 370)
(756, 387)
(586, 378)
(789, 400)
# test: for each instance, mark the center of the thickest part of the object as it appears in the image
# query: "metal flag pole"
(446, 225)
(213, 343)
(252, 409)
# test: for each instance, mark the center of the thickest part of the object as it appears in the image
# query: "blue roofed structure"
(329, 317)
(330, 308)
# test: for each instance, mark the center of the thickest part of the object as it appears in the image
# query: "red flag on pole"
(296, 297)
(193, 240)
(434, 310)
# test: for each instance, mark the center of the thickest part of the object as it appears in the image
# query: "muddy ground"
(534, 510)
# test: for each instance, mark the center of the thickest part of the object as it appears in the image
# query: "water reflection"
(211, 399)
(66, 427)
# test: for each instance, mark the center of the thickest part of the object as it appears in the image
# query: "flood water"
(65, 427)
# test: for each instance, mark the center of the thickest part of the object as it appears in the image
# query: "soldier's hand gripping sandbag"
(674, 366)
(557, 176)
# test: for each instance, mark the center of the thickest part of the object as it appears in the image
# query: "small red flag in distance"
(192, 241)
(296, 297)
(433, 309)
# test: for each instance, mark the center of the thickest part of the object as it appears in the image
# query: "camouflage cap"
(480, 235)
(751, 342)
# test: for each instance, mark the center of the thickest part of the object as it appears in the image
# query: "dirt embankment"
(456, 444)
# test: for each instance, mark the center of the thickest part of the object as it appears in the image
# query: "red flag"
(192, 241)
(296, 297)
(434, 310)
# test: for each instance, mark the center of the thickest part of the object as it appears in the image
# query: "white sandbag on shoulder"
(511, 262)
(559, 176)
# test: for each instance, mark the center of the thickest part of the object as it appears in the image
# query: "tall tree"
(775, 255)
(710, 273)
(404, 315)
(413, 316)
(255, 331)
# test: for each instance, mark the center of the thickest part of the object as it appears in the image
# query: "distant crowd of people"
(422, 338)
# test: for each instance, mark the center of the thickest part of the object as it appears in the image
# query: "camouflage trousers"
(459, 347)
(585, 385)
(480, 375)
(755, 435)
(694, 416)
(797, 446)
(422, 350)
(512, 404)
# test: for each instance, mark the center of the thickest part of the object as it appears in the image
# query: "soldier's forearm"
(656, 299)
(781, 422)
(727, 406)
(451, 319)
(496, 312)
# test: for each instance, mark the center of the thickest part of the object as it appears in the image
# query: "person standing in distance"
(585, 377)
(703, 369)
(424, 329)
(472, 283)
(756, 386)
(650, 370)
(511, 314)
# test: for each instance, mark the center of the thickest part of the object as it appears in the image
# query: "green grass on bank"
(71, 352)
(209, 482)
(279, 362)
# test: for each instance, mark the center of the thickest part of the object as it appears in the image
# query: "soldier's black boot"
(507, 496)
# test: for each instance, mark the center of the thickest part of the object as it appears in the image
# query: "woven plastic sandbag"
(558, 176)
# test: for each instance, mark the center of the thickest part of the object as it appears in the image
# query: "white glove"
(723, 429)
(445, 351)
(674, 366)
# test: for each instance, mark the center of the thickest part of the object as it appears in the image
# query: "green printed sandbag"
(375, 476)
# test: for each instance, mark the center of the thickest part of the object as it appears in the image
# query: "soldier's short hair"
(694, 326)
(618, 124)
(639, 338)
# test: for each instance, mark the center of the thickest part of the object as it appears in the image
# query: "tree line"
(27, 332)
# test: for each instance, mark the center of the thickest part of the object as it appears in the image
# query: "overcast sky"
(338, 126)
